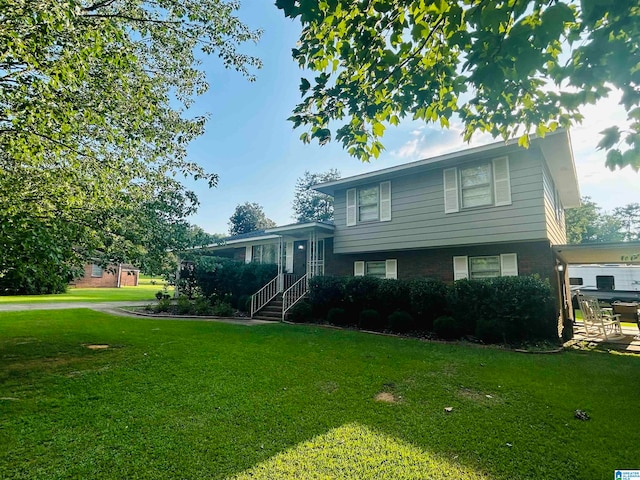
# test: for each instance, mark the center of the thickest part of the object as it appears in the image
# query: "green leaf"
(611, 136)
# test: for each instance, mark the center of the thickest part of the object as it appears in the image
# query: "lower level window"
(96, 270)
(487, 266)
(376, 268)
(265, 254)
(484, 267)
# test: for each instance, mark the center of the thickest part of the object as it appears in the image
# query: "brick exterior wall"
(437, 263)
(107, 280)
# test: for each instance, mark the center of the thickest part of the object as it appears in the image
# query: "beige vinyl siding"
(556, 230)
(419, 219)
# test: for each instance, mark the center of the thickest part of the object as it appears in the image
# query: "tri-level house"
(477, 213)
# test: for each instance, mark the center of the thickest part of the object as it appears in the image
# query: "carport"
(588, 253)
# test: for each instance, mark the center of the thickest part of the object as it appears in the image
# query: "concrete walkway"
(116, 308)
(21, 307)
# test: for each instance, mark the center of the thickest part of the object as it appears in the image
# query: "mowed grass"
(187, 399)
(123, 294)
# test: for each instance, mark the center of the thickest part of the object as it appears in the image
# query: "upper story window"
(369, 204)
(475, 186)
(478, 185)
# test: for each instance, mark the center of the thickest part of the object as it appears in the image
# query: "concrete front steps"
(272, 311)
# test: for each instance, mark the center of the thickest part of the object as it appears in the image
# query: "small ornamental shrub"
(164, 304)
(301, 312)
(222, 308)
(337, 316)
(184, 305)
(370, 320)
(401, 322)
(202, 306)
(159, 295)
(447, 328)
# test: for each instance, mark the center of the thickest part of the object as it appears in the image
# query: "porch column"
(281, 247)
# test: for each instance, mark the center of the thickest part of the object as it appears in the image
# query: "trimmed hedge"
(219, 277)
(498, 310)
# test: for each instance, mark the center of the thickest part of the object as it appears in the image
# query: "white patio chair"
(598, 321)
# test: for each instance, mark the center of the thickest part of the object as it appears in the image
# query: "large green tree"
(249, 217)
(589, 224)
(310, 205)
(94, 128)
(510, 67)
(629, 217)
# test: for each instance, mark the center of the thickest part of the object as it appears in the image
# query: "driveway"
(114, 308)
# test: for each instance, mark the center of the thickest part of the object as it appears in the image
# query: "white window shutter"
(391, 269)
(351, 207)
(450, 180)
(385, 201)
(358, 269)
(509, 264)
(247, 254)
(460, 268)
(288, 257)
(501, 181)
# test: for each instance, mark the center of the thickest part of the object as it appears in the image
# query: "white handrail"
(293, 294)
(265, 295)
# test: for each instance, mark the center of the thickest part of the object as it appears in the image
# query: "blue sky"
(253, 148)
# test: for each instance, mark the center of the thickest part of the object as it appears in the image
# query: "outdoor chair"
(598, 321)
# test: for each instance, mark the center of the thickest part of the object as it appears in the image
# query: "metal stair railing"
(265, 295)
(294, 294)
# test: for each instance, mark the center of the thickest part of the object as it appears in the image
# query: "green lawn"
(183, 399)
(141, 292)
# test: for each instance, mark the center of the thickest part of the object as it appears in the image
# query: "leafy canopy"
(588, 224)
(249, 217)
(310, 205)
(510, 68)
(94, 127)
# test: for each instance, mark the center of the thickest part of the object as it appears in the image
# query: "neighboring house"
(115, 276)
(488, 211)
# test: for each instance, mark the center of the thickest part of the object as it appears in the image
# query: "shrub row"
(497, 310)
(219, 277)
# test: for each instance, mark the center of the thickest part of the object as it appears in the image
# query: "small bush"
(164, 304)
(159, 295)
(202, 306)
(337, 316)
(301, 312)
(184, 305)
(370, 320)
(222, 308)
(447, 328)
(401, 322)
